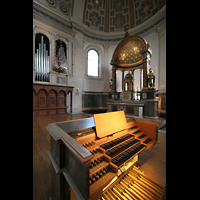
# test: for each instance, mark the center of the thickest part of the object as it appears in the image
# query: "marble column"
(145, 82)
(123, 81)
(114, 79)
(141, 78)
(132, 84)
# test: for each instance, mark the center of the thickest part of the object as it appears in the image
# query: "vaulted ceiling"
(118, 15)
(107, 15)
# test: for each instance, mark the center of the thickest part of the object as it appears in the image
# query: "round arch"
(100, 54)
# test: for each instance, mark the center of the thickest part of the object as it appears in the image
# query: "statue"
(151, 78)
(110, 84)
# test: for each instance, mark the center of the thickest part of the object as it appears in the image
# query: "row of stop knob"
(94, 151)
(98, 175)
(96, 162)
(89, 144)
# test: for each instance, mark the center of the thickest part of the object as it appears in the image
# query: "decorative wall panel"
(63, 6)
(50, 99)
(42, 99)
(144, 9)
(95, 14)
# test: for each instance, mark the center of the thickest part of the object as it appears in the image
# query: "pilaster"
(162, 57)
(53, 51)
(69, 57)
(105, 65)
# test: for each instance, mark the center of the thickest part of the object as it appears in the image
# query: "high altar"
(132, 53)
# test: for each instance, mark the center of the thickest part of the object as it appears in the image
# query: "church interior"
(99, 79)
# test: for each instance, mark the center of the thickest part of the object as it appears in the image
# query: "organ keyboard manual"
(97, 158)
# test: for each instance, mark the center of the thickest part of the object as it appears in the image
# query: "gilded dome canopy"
(129, 52)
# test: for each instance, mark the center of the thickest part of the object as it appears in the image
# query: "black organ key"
(116, 141)
(125, 145)
(141, 136)
(133, 127)
(138, 131)
(121, 158)
(147, 141)
(114, 161)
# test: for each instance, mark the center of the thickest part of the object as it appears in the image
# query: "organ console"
(97, 157)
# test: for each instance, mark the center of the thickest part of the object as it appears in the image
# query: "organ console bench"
(96, 158)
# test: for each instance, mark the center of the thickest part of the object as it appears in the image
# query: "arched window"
(92, 63)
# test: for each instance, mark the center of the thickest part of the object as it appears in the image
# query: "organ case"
(96, 158)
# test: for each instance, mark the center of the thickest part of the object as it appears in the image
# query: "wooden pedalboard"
(133, 184)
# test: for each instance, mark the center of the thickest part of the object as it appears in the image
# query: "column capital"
(53, 35)
(106, 46)
(113, 69)
(162, 29)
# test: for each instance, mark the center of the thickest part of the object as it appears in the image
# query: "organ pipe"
(44, 53)
(37, 65)
(42, 62)
(42, 57)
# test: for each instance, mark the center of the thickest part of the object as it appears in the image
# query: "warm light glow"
(114, 179)
(135, 48)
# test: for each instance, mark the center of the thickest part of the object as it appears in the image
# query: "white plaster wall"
(162, 62)
(153, 39)
(93, 85)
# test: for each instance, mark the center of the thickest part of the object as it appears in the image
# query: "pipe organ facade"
(42, 59)
(47, 100)
(47, 49)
